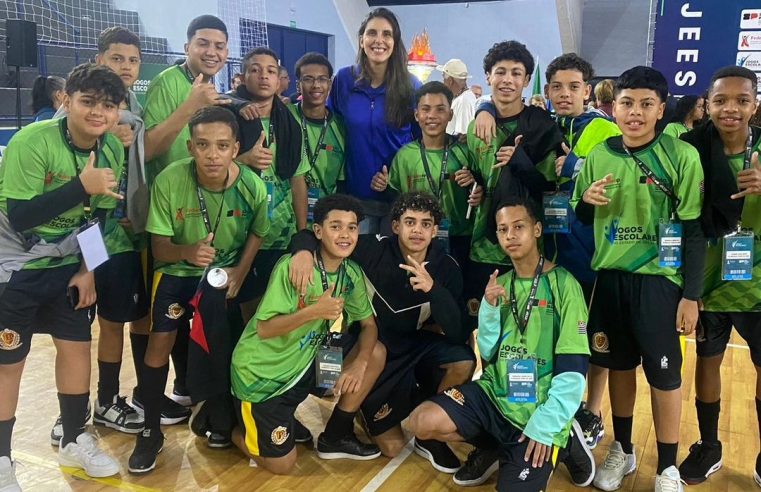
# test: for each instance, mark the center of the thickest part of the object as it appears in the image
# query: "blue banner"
(695, 38)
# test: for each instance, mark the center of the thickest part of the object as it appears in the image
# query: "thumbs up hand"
(98, 181)
(560, 161)
(201, 253)
(380, 180)
(328, 307)
(749, 180)
(259, 156)
(204, 94)
(504, 154)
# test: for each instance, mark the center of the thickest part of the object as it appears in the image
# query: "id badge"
(313, 194)
(270, 201)
(443, 234)
(91, 245)
(521, 376)
(328, 366)
(737, 257)
(556, 217)
(670, 244)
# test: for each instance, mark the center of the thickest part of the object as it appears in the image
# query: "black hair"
(117, 35)
(337, 201)
(98, 80)
(433, 88)
(733, 71)
(399, 90)
(206, 22)
(214, 114)
(509, 50)
(261, 50)
(684, 106)
(419, 202)
(642, 77)
(570, 61)
(312, 58)
(521, 200)
(43, 90)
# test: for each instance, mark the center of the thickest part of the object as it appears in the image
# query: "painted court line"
(390, 468)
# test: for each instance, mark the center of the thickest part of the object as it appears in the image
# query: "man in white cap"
(464, 104)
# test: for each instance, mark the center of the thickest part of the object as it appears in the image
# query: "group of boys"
(515, 229)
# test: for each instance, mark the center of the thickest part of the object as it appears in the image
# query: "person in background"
(689, 112)
(478, 91)
(604, 97)
(47, 96)
(284, 81)
(538, 101)
(237, 80)
(464, 104)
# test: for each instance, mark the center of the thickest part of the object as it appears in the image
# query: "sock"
(622, 431)
(139, 346)
(758, 413)
(73, 413)
(152, 393)
(108, 381)
(666, 455)
(6, 430)
(708, 420)
(180, 359)
(340, 424)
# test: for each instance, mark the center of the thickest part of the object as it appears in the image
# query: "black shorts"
(475, 278)
(171, 309)
(476, 419)
(632, 321)
(715, 328)
(120, 284)
(36, 301)
(256, 282)
(411, 375)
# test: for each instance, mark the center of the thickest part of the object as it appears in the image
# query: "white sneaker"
(616, 466)
(669, 481)
(8, 481)
(85, 454)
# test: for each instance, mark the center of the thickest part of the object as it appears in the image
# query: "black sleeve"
(26, 214)
(447, 307)
(585, 212)
(304, 240)
(693, 261)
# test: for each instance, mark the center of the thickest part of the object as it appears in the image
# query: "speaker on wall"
(21, 43)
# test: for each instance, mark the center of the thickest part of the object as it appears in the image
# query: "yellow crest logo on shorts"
(279, 435)
(384, 412)
(9, 340)
(175, 311)
(600, 343)
(455, 395)
(473, 305)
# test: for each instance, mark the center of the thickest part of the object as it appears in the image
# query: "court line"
(390, 468)
(731, 345)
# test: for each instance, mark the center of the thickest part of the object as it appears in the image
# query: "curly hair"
(509, 50)
(570, 61)
(419, 202)
(338, 201)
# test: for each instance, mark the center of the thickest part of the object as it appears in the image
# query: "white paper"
(92, 247)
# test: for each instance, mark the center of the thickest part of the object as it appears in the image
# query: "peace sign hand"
(420, 280)
(595, 194)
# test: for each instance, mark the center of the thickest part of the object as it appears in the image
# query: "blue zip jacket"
(371, 142)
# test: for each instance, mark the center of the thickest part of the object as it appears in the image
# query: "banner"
(695, 38)
(147, 72)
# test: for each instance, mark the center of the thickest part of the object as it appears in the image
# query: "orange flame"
(421, 47)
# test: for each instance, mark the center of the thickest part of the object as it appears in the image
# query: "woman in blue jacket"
(375, 99)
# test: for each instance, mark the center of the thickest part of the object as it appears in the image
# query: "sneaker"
(439, 454)
(198, 422)
(757, 471)
(85, 454)
(181, 396)
(591, 426)
(171, 413)
(118, 415)
(56, 433)
(703, 460)
(301, 434)
(669, 481)
(8, 482)
(348, 447)
(147, 448)
(217, 440)
(478, 468)
(579, 460)
(614, 468)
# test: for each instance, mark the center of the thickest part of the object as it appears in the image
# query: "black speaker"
(21, 43)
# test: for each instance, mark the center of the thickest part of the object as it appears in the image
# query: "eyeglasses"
(308, 80)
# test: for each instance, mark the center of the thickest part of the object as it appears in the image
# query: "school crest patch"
(456, 395)
(279, 435)
(9, 340)
(473, 305)
(175, 311)
(600, 343)
(384, 412)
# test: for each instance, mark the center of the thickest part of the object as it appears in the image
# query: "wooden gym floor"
(187, 464)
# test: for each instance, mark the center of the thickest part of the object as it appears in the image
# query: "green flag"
(537, 81)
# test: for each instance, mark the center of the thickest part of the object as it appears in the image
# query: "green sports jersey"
(175, 212)
(675, 129)
(40, 159)
(264, 368)
(557, 326)
(329, 162)
(167, 91)
(626, 230)
(408, 174)
(280, 196)
(725, 296)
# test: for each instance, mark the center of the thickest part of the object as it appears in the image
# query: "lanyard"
(324, 276)
(748, 150)
(86, 202)
(436, 190)
(270, 133)
(522, 321)
(312, 156)
(657, 182)
(204, 210)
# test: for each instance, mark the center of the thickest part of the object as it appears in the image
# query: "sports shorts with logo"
(171, 309)
(120, 285)
(632, 321)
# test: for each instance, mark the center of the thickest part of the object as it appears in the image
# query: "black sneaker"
(181, 396)
(118, 415)
(148, 446)
(591, 426)
(478, 468)
(217, 440)
(199, 423)
(300, 432)
(171, 413)
(439, 454)
(703, 460)
(579, 460)
(348, 447)
(757, 471)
